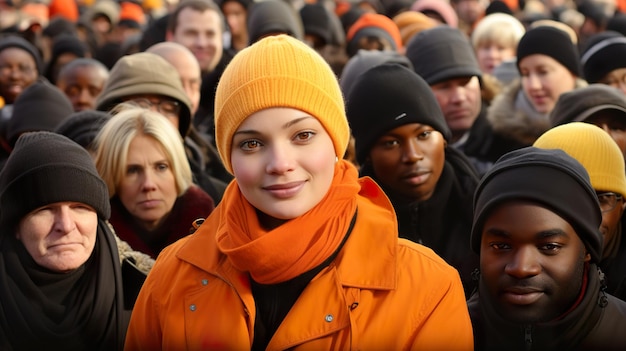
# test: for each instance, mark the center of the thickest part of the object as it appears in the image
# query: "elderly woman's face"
(59, 236)
(148, 188)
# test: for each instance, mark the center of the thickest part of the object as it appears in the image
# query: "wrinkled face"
(284, 162)
(60, 236)
(148, 187)
(82, 85)
(491, 55)
(616, 78)
(409, 159)
(18, 70)
(612, 122)
(531, 262)
(189, 72)
(460, 101)
(236, 16)
(201, 33)
(544, 80)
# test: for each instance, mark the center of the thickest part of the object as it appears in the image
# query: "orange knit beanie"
(278, 71)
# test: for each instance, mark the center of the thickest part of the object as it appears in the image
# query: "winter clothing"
(412, 22)
(63, 44)
(371, 273)
(364, 60)
(514, 117)
(316, 21)
(145, 73)
(193, 204)
(40, 107)
(78, 310)
(579, 104)
(272, 17)
(373, 24)
(515, 176)
(552, 42)
(602, 55)
(82, 127)
(596, 323)
(262, 285)
(442, 9)
(292, 76)
(21, 43)
(442, 53)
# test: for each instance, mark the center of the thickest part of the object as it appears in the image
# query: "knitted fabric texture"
(371, 24)
(145, 73)
(550, 178)
(273, 17)
(579, 104)
(594, 149)
(45, 168)
(442, 53)
(604, 54)
(386, 97)
(278, 71)
(552, 42)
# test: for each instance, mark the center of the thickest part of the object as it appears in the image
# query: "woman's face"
(148, 188)
(409, 159)
(490, 55)
(60, 236)
(284, 161)
(544, 80)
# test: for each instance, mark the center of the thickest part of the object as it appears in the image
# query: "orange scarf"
(297, 245)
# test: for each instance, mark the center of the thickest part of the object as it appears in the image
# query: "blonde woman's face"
(284, 161)
(148, 188)
(491, 55)
(544, 79)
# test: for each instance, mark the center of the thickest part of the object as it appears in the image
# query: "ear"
(587, 256)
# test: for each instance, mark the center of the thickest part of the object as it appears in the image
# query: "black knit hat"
(386, 97)
(364, 60)
(21, 43)
(316, 21)
(273, 17)
(83, 126)
(41, 106)
(442, 53)
(45, 168)
(549, 177)
(549, 41)
(579, 104)
(604, 53)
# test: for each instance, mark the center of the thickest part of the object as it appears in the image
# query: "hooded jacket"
(597, 323)
(195, 298)
(512, 116)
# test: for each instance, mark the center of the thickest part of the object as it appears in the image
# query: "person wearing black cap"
(602, 60)
(444, 57)
(539, 244)
(548, 63)
(403, 145)
(61, 281)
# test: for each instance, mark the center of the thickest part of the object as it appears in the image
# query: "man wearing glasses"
(602, 159)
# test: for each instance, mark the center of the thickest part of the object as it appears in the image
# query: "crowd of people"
(312, 175)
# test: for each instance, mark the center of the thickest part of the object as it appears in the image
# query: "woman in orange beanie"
(300, 254)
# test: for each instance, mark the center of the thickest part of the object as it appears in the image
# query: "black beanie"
(21, 43)
(551, 178)
(316, 21)
(386, 97)
(549, 41)
(442, 53)
(273, 17)
(41, 106)
(83, 126)
(604, 53)
(579, 104)
(45, 168)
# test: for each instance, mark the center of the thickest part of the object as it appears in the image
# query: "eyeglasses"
(166, 107)
(608, 201)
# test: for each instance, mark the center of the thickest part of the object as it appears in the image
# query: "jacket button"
(192, 307)
(205, 281)
(329, 318)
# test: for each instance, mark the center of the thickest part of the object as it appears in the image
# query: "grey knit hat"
(579, 104)
(548, 177)
(145, 73)
(46, 168)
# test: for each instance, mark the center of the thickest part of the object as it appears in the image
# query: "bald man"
(187, 66)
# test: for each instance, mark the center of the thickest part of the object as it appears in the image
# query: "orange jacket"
(381, 292)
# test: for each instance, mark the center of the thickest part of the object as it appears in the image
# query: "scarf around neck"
(296, 246)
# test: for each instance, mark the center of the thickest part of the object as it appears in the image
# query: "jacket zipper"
(528, 337)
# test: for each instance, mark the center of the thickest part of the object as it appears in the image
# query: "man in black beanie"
(401, 142)
(444, 57)
(536, 229)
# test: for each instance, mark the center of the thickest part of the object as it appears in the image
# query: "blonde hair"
(498, 28)
(113, 142)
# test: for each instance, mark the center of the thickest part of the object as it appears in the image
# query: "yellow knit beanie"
(278, 71)
(594, 149)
